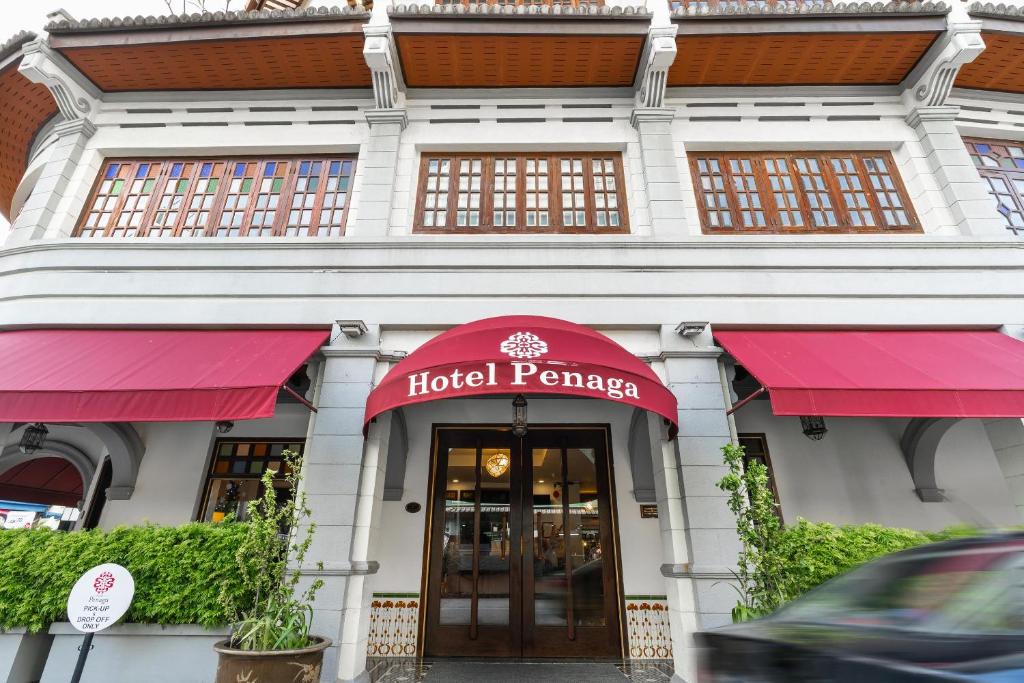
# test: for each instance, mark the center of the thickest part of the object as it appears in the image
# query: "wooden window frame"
(212, 476)
(555, 225)
(1008, 175)
(824, 158)
(222, 191)
(763, 438)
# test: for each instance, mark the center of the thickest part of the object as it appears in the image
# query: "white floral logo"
(524, 345)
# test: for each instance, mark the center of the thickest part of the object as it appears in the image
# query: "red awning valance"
(147, 375)
(522, 354)
(884, 373)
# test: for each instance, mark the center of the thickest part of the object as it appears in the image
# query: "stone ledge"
(477, 10)
(63, 628)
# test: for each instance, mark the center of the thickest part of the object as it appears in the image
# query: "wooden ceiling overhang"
(1000, 67)
(524, 46)
(25, 107)
(306, 48)
(830, 45)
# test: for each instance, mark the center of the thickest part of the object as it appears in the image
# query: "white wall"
(857, 473)
(173, 470)
(400, 550)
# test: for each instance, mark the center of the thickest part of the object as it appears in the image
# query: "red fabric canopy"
(891, 373)
(147, 375)
(522, 355)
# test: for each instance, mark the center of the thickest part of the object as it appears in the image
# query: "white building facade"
(649, 175)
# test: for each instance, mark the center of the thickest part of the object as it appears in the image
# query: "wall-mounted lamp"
(519, 416)
(225, 426)
(691, 329)
(813, 427)
(353, 329)
(32, 438)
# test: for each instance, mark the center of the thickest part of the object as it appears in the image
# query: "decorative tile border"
(647, 626)
(394, 625)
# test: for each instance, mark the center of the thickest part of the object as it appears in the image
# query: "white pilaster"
(1007, 439)
(959, 194)
(344, 485)
(77, 99)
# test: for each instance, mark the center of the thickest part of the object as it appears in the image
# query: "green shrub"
(813, 552)
(179, 572)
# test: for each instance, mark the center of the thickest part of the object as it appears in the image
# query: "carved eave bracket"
(658, 58)
(76, 97)
(932, 88)
(378, 51)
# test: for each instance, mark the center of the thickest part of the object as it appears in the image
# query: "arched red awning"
(522, 354)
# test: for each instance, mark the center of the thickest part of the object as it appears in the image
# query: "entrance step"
(409, 670)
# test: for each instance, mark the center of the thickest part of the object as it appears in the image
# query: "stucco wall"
(174, 467)
(857, 473)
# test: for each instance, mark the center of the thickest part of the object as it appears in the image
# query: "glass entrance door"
(522, 557)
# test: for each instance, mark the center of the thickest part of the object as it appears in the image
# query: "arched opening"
(45, 491)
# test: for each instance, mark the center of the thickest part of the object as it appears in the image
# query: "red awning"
(890, 373)
(522, 355)
(147, 375)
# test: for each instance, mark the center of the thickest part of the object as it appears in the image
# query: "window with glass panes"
(1001, 165)
(773, 192)
(220, 198)
(755, 449)
(500, 192)
(235, 472)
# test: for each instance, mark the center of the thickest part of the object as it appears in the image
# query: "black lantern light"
(32, 438)
(813, 427)
(519, 416)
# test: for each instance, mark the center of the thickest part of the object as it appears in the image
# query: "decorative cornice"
(207, 19)
(485, 10)
(13, 44)
(996, 11)
(730, 10)
(42, 65)
(939, 113)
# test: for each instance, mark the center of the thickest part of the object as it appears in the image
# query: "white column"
(39, 209)
(958, 186)
(680, 591)
(1007, 439)
(344, 484)
(959, 196)
(377, 163)
(653, 123)
(703, 573)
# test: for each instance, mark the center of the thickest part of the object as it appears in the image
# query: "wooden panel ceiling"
(328, 61)
(797, 58)
(24, 107)
(999, 67)
(518, 61)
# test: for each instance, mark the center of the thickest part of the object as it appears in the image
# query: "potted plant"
(270, 638)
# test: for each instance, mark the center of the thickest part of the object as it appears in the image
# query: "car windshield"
(979, 590)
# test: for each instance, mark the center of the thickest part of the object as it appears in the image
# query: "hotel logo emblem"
(524, 345)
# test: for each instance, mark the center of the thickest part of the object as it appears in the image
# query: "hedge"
(814, 552)
(179, 572)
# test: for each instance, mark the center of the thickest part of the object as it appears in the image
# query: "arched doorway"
(30, 490)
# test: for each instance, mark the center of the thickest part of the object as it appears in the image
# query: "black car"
(951, 611)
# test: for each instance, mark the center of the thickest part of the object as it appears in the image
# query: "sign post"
(100, 597)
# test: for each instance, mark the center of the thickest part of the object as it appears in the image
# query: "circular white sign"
(100, 597)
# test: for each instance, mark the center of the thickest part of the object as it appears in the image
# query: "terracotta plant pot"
(270, 666)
